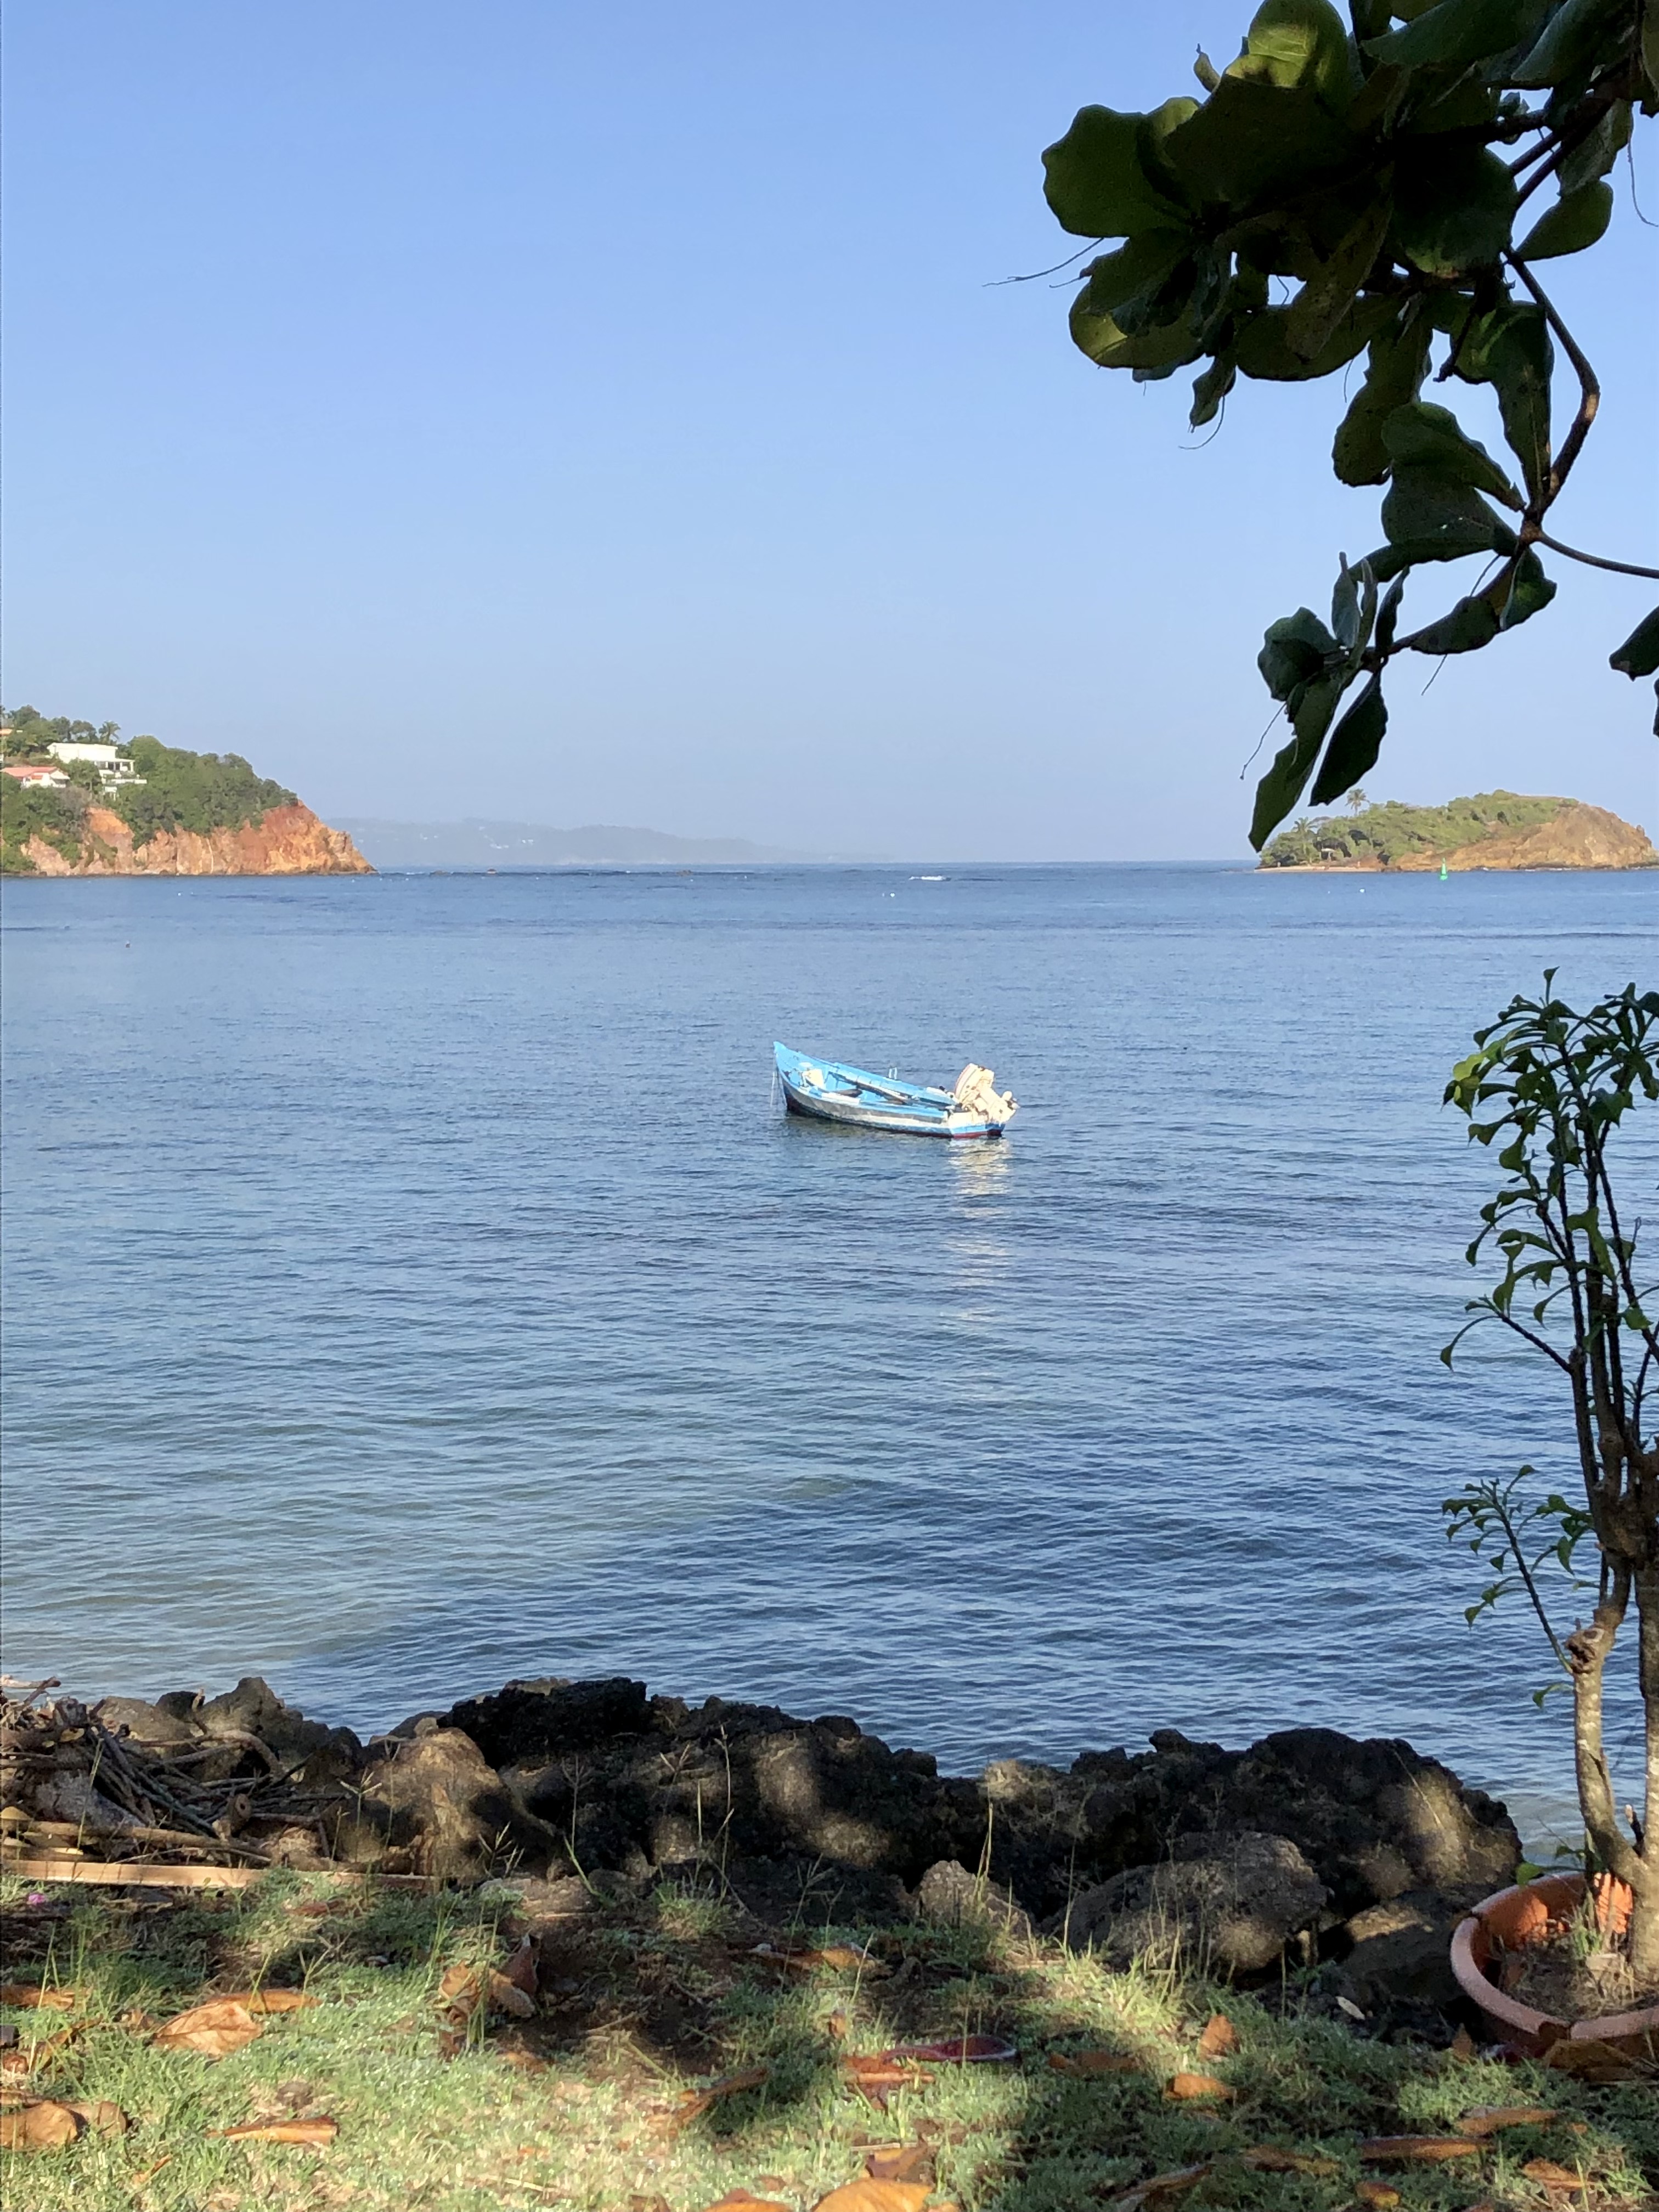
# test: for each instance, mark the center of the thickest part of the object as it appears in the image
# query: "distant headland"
(76, 801)
(1496, 830)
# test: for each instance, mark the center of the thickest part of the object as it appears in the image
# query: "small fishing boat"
(827, 1090)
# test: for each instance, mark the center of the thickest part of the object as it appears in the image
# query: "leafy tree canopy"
(1400, 175)
(34, 733)
(1389, 831)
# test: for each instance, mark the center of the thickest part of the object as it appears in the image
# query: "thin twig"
(1589, 389)
(1593, 560)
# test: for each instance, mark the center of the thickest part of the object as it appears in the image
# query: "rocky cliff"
(286, 841)
(1580, 837)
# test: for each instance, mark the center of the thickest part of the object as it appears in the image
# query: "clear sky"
(580, 413)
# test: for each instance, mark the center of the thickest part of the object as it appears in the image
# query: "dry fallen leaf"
(1550, 2176)
(213, 2031)
(1490, 2119)
(43, 2126)
(1416, 2150)
(1184, 2087)
(269, 2001)
(900, 2162)
(1266, 2158)
(1095, 2062)
(868, 2195)
(25, 1996)
(735, 2200)
(1463, 2046)
(838, 2027)
(957, 2051)
(876, 2076)
(695, 2102)
(102, 2117)
(1379, 2195)
(313, 2133)
(520, 1969)
(1220, 2038)
(148, 2172)
(1162, 2185)
(1589, 2061)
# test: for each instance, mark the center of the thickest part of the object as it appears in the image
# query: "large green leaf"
(1319, 305)
(1528, 590)
(1470, 624)
(1578, 36)
(1262, 346)
(1509, 348)
(1571, 225)
(1253, 141)
(1294, 42)
(1458, 32)
(1282, 785)
(1355, 743)
(1295, 649)
(1211, 388)
(1453, 206)
(1423, 435)
(1429, 519)
(1597, 151)
(1399, 360)
(1150, 139)
(1639, 653)
(1094, 180)
(1111, 346)
(1138, 269)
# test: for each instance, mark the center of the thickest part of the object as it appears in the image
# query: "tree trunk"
(1644, 1912)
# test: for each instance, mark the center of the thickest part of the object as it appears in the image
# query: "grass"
(648, 1997)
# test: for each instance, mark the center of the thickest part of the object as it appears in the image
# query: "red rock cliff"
(289, 841)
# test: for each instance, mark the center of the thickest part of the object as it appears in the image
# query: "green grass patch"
(648, 1998)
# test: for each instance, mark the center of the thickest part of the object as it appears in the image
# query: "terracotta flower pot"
(1518, 1917)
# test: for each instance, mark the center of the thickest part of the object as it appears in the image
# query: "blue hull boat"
(828, 1091)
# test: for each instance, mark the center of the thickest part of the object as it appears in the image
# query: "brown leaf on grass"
(1548, 2175)
(838, 2027)
(1085, 2063)
(837, 1958)
(1379, 2195)
(1491, 2120)
(1463, 2046)
(957, 2051)
(867, 2196)
(876, 2076)
(1220, 2038)
(911, 2161)
(463, 1989)
(102, 2117)
(735, 2200)
(26, 2059)
(26, 1997)
(1267, 2158)
(1587, 2060)
(1171, 2183)
(696, 2101)
(1416, 2150)
(148, 2172)
(520, 1969)
(213, 2031)
(44, 2125)
(270, 2001)
(1183, 2087)
(315, 2135)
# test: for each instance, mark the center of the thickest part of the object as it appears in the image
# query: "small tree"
(1551, 1088)
(1388, 178)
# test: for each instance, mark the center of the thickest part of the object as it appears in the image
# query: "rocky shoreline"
(1307, 1850)
(285, 841)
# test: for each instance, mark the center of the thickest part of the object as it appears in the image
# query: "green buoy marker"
(1442, 871)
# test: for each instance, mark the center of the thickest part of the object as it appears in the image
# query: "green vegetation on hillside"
(1388, 832)
(180, 790)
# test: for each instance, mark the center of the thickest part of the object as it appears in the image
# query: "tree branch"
(1590, 559)
(1589, 390)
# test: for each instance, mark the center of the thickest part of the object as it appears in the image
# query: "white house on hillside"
(36, 774)
(114, 766)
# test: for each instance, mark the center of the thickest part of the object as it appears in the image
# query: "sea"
(414, 1281)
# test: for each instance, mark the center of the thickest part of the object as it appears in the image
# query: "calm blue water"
(410, 1282)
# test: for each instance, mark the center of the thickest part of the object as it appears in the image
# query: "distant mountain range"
(477, 844)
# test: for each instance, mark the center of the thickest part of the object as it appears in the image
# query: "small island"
(75, 801)
(1495, 829)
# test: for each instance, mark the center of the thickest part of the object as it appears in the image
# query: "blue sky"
(583, 414)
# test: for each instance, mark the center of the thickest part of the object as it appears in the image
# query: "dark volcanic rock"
(950, 1896)
(549, 1719)
(1401, 1951)
(1227, 1903)
(439, 1796)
